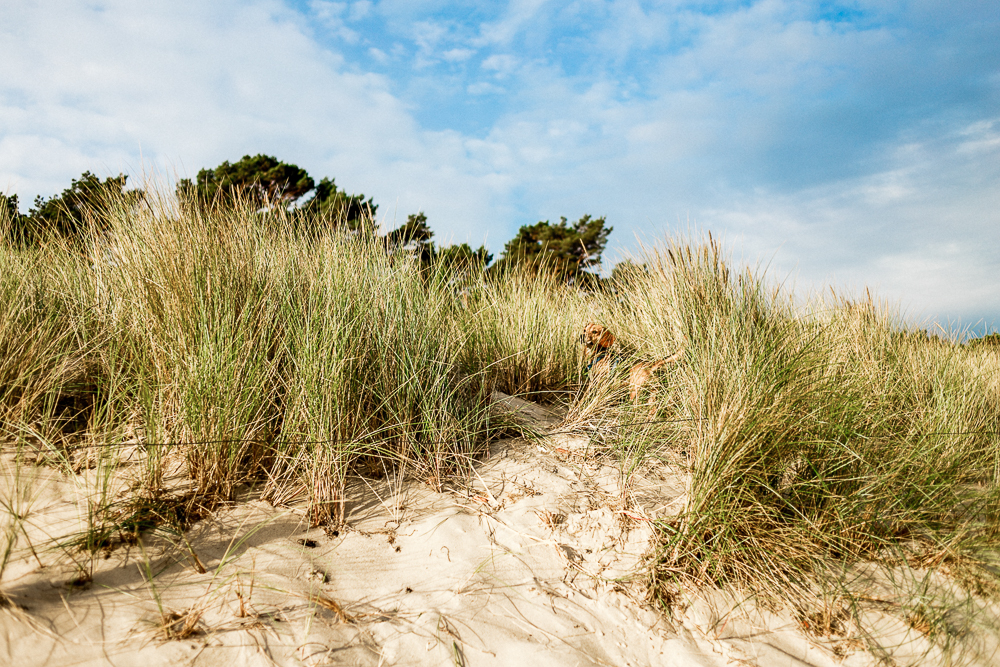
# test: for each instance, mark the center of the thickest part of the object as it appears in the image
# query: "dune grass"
(818, 437)
(243, 352)
(251, 352)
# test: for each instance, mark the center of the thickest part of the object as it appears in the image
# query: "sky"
(848, 144)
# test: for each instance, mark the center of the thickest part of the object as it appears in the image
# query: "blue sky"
(849, 144)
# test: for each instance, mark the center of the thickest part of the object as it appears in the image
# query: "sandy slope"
(529, 565)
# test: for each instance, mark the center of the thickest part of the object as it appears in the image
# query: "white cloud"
(912, 233)
(360, 10)
(194, 84)
(519, 14)
(981, 137)
(326, 10)
(378, 55)
(331, 15)
(457, 55)
(484, 88)
(501, 63)
(428, 35)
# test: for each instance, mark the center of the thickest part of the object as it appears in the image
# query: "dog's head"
(596, 337)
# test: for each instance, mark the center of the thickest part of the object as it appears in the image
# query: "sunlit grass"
(816, 438)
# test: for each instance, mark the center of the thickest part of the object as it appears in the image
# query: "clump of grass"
(815, 435)
(42, 354)
(523, 329)
(375, 374)
(242, 346)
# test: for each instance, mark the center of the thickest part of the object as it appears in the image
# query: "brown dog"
(597, 340)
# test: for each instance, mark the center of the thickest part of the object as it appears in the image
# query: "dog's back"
(642, 371)
(596, 339)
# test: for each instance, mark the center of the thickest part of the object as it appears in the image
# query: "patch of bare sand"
(530, 563)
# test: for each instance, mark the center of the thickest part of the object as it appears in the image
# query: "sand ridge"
(529, 562)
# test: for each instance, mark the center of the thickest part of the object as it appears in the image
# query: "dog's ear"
(607, 339)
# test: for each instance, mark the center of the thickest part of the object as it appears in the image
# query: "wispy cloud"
(501, 63)
(457, 55)
(195, 85)
(917, 232)
(334, 16)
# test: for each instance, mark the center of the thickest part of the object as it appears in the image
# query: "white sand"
(531, 565)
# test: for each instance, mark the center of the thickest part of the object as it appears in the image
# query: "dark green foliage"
(13, 225)
(336, 206)
(414, 236)
(991, 340)
(414, 230)
(462, 258)
(87, 201)
(626, 269)
(565, 250)
(262, 179)
(8, 207)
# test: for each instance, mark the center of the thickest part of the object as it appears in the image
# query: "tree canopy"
(8, 208)
(413, 235)
(88, 201)
(416, 238)
(330, 204)
(261, 179)
(264, 181)
(461, 258)
(567, 250)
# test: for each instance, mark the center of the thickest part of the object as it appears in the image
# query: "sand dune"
(530, 563)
